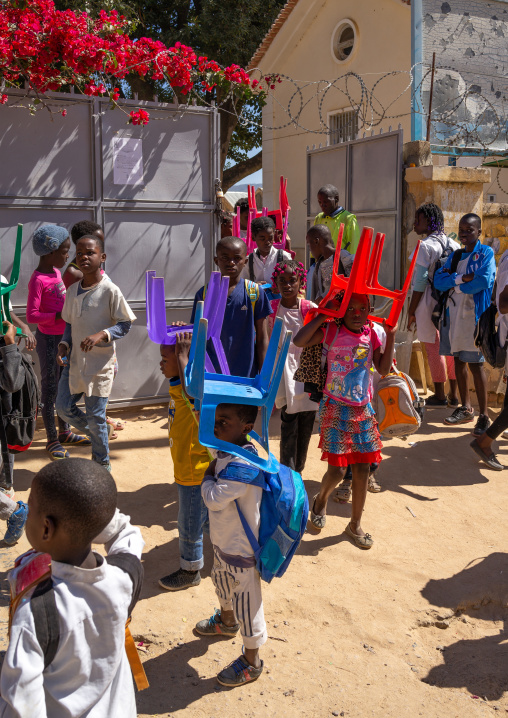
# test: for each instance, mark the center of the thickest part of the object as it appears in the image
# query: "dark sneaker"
(482, 425)
(452, 403)
(489, 459)
(214, 627)
(462, 415)
(16, 524)
(238, 673)
(434, 401)
(179, 580)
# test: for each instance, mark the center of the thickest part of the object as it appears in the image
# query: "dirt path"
(352, 633)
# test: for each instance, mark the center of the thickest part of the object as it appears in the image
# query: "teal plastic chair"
(6, 289)
(208, 390)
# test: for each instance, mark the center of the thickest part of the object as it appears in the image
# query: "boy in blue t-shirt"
(244, 334)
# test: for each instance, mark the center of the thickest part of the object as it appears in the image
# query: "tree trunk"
(243, 169)
(228, 122)
(140, 86)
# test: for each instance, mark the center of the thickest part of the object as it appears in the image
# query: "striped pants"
(439, 364)
(239, 589)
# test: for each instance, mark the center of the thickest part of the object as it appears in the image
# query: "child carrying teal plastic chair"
(209, 390)
(6, 289)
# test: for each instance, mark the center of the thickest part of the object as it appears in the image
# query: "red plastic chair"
(280, 216)
(363, 280)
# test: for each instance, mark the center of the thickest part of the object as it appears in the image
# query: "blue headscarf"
(48, 238)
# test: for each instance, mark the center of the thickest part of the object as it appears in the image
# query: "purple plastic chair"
(216, 294)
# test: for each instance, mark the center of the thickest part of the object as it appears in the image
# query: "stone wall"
(495, 227)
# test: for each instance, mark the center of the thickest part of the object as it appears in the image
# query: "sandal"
(343, 493)
(373, 485)
(68, 437)
(56, 451)
(364, 542)
(113, 425)
(317, 520)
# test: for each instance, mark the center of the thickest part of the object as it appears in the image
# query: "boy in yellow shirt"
(190, 461)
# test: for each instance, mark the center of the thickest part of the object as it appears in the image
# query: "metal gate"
(368, 175)
(151, 187)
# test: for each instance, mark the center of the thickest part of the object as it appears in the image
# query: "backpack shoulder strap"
(45, 614)
(280, 256)
(248, 531)
(251, 266)
(132, 565)
(330, 334)
(253, 291)
(455, 260)
(305, 306)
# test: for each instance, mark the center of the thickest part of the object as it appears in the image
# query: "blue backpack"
(284, 513)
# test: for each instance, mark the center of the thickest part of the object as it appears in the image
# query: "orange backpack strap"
(137, 669)
(133, 566)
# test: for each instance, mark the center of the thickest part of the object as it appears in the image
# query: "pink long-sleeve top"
(46, 297)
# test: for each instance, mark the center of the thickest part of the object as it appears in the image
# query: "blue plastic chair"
(215, 303)
(6, 289)
(209, 390)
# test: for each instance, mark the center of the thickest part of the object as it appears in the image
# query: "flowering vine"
(50, 50)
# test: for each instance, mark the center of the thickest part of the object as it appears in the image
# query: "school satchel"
(439, 311)
(20, 422)
(399, 409)
(486, 337)
(284, 513)
(32, 574)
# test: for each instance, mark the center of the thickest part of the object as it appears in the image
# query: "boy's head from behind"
(231, 257)
(263, 233)
(318, 237)
(234, 421)
(86, 227)
(70, 503)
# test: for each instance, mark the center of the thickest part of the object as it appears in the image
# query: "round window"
(343, 40)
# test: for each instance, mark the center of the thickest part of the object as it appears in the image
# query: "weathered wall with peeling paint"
(470, 40)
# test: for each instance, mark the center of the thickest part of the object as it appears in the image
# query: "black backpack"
(439, 264)
(17, 428)
(486, 336)
(439, 312)
(280, 258)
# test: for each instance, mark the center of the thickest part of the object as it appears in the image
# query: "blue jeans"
(92, 423)
(47, 349)
(192, 519)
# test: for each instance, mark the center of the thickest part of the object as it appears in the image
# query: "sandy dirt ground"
(414, 627)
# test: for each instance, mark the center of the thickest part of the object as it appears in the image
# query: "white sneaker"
(8, 492)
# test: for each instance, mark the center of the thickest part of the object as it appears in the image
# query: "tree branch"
(242, 169)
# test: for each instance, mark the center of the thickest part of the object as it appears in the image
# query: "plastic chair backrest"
(6, 289)
(363, 279)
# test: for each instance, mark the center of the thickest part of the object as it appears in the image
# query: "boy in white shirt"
(261, 262)
(72, 505)
(234, 574)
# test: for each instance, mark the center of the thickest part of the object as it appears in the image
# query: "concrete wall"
(495, 227)
(302, 51)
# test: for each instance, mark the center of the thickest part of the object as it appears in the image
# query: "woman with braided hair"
(429, 224)
(298, 412)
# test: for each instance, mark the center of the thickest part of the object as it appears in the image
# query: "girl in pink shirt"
(349, 434)
(46, 296)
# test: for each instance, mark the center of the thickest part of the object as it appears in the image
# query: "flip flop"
(365, 542)
(491, 460)
(316, 519)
